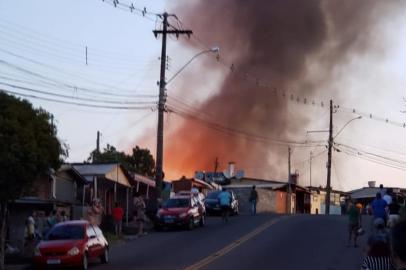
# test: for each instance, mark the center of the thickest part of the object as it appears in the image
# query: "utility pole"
(311, 157)
(289, 183)
(216, 164)
(330, 146)
(98, 142)
(162, 99)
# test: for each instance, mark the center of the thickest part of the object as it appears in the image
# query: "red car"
(180, 211)
(71, 243)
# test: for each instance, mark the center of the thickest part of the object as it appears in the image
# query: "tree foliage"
(139, 161)
(29, 146)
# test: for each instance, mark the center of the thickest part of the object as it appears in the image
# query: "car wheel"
(85, 262)
(191, 224)
(158, 228)
(202, 221)
(105, 257)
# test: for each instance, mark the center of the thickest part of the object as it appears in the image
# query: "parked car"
(71, 243)
(180, 211)
(212, 203)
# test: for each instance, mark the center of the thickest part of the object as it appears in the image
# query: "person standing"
(63, 217)
(388, 196)
(379, 207)
(118, 214)
(378, 251)
(29, 234)
(253, 200)
(52, 219)
(354, 222)
(139, 205)
(394, 211)
(225, 203)
(94, 213)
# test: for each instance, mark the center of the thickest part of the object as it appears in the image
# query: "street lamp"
(211, 50)
(346, 124)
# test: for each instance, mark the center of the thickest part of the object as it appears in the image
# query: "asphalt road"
(246, 242)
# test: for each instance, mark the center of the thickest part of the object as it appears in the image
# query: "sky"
(43, 47)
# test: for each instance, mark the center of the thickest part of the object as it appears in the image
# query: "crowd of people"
(386, 245)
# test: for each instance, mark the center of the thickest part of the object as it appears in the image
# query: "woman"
(378, 253)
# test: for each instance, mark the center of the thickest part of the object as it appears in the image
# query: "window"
(66, 232)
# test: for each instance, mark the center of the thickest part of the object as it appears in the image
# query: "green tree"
(140, 161)
(29, 148)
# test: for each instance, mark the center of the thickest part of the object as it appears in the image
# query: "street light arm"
(338, 133)
(213, 50)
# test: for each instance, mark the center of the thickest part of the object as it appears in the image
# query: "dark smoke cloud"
(275, 40)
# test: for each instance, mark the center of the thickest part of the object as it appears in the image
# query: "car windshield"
(213, 195)
(66, 232)
(175, 203)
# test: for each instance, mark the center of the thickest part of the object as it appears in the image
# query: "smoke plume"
(278, 41)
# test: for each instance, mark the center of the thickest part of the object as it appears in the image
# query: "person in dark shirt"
(398, 244)
(394, 210)
(354, 219)
(253, 200)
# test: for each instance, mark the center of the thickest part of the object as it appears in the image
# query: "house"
(110, 183)
(61, 190)
(366, 195)
(318, 200)
(274, 196)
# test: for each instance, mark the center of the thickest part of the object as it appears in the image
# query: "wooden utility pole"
(98, 142)
(162, 98)
(311, 157)
(330, 146)
(289, 183)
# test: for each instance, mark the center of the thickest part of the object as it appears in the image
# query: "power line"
(143, 12)
(77, 103)
(71, 86)
(76, 98)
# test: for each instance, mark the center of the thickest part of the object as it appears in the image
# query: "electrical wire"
(77, 103)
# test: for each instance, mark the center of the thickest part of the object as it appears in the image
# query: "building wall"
(315, 203)
(268, 200)
(66, 189)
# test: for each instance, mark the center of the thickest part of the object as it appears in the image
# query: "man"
(225, 203)
(140, 206)
(354, 223)
(118, 214)
(388, 196)
(398, 243)
(379, 207)
(253, 200)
